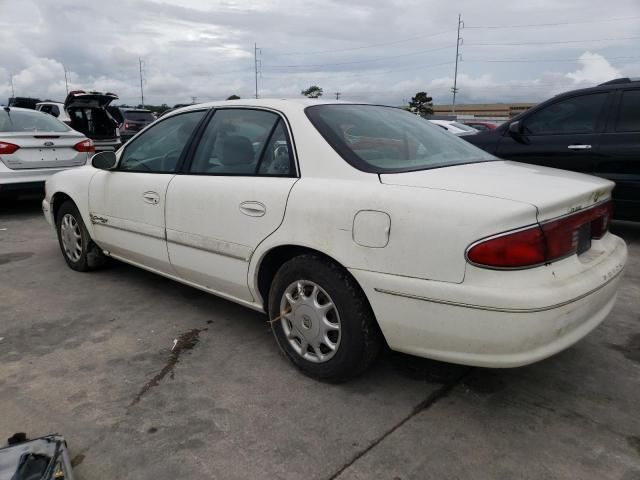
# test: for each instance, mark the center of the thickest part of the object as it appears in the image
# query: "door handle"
(151, 197)
(253, 209)
(579, 147)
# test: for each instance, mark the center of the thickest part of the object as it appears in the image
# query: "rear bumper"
(505, 325)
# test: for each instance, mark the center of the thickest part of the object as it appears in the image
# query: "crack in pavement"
(431, 399)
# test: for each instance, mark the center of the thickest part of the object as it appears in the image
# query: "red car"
(481, 125)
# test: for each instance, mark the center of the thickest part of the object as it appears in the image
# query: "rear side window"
(159, 148)
(32, 121)
(629, 114)
(573, 115)
(243, 142)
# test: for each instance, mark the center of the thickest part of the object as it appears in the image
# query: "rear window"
(21, 121)
(387, 140)
(139, 116)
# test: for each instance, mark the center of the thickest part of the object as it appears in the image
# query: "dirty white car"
(352, 225)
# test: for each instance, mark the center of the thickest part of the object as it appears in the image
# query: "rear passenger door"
(620, 153)
(231, 196)
(564, 134)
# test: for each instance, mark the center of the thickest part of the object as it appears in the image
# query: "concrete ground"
(88, 356)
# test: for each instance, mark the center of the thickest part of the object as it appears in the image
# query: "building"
(483, 111)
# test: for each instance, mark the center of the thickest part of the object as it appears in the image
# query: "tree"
(233, 97)
(313, 91)
(422, 104)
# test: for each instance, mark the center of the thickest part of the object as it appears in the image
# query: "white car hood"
(553, 192)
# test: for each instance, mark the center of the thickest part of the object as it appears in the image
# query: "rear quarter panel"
(429, 233)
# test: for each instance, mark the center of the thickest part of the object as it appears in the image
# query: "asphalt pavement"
(89, 356)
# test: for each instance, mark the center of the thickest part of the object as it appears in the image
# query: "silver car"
(34, 146)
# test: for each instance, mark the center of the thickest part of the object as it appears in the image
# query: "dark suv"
(594, 130)
(131, 120)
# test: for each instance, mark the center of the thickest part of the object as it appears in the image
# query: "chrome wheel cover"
(310, 321)
(71, 237)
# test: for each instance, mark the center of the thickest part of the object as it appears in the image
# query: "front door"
(232, 197)
(127, 205)
(562, 135)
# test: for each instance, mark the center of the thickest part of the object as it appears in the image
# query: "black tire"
(360, 338)
(90, 256)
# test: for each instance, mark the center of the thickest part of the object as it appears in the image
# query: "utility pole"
(338, 95)
(13, 93)
(141, 89)
(459, 42)
(66, 81)
(255, 65)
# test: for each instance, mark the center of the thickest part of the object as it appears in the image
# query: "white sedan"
(351, 225)
(457, 128)
(34, 146)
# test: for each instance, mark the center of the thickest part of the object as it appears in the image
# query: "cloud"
(595, 69)
(204, 48)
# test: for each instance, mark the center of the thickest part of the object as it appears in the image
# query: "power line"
(498, 27)
(542, 60)
(372, 45)
(422, 52)
(362, 74)
(549, 43)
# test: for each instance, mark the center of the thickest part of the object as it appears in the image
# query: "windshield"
(386, 140)
(139, 116)
(21, 121)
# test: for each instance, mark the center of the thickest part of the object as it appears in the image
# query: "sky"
(368, 50)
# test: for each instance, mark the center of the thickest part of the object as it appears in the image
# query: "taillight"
(126, 126)
(541, 243)
(7, 148)
(85, 146)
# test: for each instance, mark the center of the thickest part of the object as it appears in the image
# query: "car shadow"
(629, 231)
(27, 205)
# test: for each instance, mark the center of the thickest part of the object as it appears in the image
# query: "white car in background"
(457, 128)
(55, 109)
(34, 146)
(351, 225)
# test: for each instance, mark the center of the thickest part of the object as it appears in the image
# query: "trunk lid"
(43, 150)
(89, 100)
(553, 192)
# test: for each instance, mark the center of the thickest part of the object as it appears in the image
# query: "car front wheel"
(322, 320)
(78, 249)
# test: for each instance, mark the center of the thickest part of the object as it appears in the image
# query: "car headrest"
(237, 150)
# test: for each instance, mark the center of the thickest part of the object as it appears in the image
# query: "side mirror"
(515, 127)
(104, 160)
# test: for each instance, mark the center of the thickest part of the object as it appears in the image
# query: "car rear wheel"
(78, 249)
(322, 320)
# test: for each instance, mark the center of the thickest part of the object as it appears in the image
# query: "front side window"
(243, 142)
(387, 140)
(159, 148)
(29, 121)
(629, 114)
(573, 115)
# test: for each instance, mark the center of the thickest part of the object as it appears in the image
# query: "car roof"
(47, 102)
(280, 104)
(20, 109)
